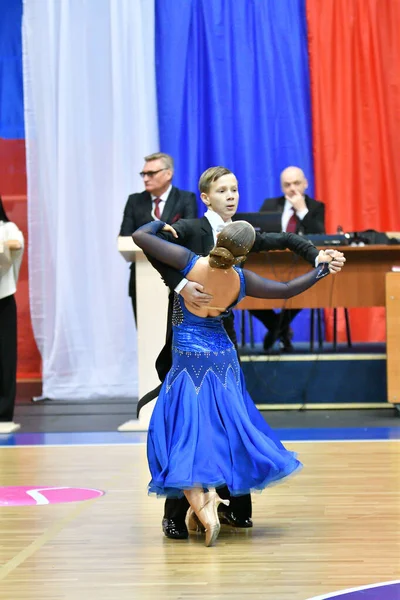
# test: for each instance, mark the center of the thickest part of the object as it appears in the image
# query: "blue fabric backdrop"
(11, 87)
(233, 89)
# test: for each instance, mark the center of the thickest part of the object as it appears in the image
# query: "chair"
(243, 329)
(312, 327)
(319, 326)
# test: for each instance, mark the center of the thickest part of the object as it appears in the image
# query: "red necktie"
(157, 212)
(292, 223)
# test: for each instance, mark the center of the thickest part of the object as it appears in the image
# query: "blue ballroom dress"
(205, 429)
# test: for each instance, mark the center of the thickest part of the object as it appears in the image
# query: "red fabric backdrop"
(13, 192)
(354, 49)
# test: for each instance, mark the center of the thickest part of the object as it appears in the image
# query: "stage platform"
(343, 378)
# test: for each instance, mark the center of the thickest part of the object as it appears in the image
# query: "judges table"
(360, 283)
(366, 280)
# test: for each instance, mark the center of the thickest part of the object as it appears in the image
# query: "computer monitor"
(265, 222)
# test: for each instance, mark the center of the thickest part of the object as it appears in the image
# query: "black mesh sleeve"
(258, 287)
(175, 256)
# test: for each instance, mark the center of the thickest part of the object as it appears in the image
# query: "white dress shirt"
(288, 212)
(217, 224)
(163, 198)
(9, 274)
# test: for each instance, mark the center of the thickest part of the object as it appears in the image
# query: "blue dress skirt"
(205, 429)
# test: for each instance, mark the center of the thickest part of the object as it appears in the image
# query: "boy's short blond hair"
(166, 158)
(211, 175)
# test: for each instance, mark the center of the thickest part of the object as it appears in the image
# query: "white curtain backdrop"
(91, 117)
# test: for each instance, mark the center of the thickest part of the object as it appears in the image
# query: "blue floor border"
(122, 438)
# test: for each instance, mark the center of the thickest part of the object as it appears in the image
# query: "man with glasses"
(159, 200)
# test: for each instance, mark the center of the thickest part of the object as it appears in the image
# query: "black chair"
(312, 328)
(243, 329)
(319, 328)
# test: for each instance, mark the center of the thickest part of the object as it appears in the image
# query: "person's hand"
(170, 229)
(298, 202)
(335, 259)
(13, 244)
(324, 257)
(194, 295)
(337, 262)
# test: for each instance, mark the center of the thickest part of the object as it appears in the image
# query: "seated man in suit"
(160, 200)
(300, 214)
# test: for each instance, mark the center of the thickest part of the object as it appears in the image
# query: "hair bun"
(240, 259)
(232, 246)
(221, 258)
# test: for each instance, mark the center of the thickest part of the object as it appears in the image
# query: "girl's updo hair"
(233, 244)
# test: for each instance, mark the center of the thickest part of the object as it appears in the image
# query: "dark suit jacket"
(179, 205)
(197, 236)
(313, 222)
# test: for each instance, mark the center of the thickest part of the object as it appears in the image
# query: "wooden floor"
(335, 525)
